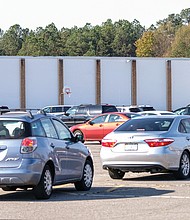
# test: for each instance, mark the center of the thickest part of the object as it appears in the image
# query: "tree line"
(170, 37)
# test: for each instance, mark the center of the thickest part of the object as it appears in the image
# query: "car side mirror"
(91, 122)
(78, 138)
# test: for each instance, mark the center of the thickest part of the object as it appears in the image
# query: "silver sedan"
(152, 144)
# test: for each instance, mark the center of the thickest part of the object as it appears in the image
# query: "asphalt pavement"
(138, 196)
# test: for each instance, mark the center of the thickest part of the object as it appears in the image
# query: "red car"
(99, 126)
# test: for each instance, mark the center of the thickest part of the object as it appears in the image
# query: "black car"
(82, 113)
(3, 109)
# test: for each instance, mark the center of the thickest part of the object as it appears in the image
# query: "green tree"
(12, 40)
(126, 34)
(43, 42)
(106, 38)
(181, 45)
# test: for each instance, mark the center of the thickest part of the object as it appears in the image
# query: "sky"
(69, 13)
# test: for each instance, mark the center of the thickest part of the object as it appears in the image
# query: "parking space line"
(115, 188)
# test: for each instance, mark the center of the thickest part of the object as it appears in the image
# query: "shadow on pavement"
(96, 193)
(152, 177)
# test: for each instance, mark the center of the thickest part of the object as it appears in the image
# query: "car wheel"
(184, 167)
(44, 188)
(9, 188)
(116, 174)
(86, 182)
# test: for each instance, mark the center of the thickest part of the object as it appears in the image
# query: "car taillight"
(28, 145)
(159, 142)
(108, 143)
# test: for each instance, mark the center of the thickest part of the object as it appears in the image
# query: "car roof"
(158, 112)
(24, 116)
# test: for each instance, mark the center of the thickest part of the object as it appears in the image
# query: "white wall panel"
(80, 76)
(10, 82)
(116, 81)
(41, 82)
(180, 83)
(151, 83)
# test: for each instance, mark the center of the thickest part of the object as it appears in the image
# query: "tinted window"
(148, 124)
(95, 109)
(134, 109)
(132, 115)
(147, 108)
(57, 109)
(109, 108)
(12, 129)
(81, 110)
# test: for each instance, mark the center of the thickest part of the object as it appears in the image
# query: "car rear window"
(146, 124)
(12, 129)
(109, 108)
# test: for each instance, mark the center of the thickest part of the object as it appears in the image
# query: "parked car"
(183, 110)
(3, 109)
(38, 151)
(56, 109)
(82, 113)
(146, 113)
(96, 128)
(134, 108)
(148, 144)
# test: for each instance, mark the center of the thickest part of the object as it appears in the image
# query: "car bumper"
(153, 161)
(27, 174)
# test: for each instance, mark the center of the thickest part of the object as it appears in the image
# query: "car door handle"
(52, 145)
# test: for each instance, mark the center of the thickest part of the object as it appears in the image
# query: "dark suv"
(82, 113)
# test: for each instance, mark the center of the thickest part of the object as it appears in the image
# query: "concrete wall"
(34, 82)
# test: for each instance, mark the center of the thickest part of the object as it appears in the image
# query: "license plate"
(131, 147)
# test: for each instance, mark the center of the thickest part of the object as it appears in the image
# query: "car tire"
(116, 174)
(87, 178)
(9, 188)
(45, 187)
(184, 167)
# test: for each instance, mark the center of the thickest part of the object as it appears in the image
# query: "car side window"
(47, 110)
(114, 118)
(184, 126)
(63, 132)
(81, 110)
(37, 129)
(99, 119)
(49, 128)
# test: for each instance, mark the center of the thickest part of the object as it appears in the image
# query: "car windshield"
(71, 111)
(146, 124)
(12, 129)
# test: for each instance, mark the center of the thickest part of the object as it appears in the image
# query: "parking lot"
(137, 196)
